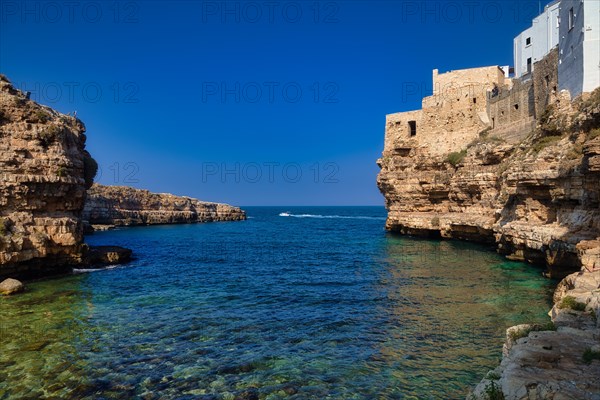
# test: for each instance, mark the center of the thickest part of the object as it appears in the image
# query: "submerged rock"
(106, 255)
(11, 286)
(290, 390)
(248, 394)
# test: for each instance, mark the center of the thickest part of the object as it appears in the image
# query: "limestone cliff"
(44, 171)
(121, 205)
(537, 200)
(534, 194)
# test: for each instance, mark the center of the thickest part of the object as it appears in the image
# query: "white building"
(537, 40)
(579, 46)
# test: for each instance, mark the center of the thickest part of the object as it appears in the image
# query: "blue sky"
(252, 102)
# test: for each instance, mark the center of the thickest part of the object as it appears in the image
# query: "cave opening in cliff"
(412, 125)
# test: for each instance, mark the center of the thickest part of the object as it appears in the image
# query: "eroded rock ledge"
(126, 206)
(537, 200)
(44, 173)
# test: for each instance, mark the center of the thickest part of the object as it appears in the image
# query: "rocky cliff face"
(44, 171)
(537, 200)
(120, 205)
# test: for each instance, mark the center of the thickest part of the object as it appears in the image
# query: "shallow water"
(320, 304)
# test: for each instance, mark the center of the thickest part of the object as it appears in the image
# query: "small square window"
(527, 41)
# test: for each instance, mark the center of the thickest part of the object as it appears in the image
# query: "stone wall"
(470, 77)
(511, 112)
(449, 119)
(397, 130)
(545, 82)
(520, 102)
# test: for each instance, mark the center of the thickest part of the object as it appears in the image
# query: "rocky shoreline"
(560, 360)
(47, 195)
(536, 198)
(109, 206)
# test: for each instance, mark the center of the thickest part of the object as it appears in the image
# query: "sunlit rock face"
(122, 206)
(528, 183)
(537, 199)
(43, 167)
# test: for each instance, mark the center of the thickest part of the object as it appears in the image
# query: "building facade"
(535, 42)
(560, 51)
(579, 46)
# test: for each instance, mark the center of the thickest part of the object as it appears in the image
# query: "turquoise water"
(322, 304)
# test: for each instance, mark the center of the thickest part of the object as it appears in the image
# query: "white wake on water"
(287, 214)
(86, 270)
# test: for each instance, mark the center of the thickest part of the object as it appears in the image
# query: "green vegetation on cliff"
(590, 355)
(456, 157)
(572, 303)
(3, 227)
(90, 169)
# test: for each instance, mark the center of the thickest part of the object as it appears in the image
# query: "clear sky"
(251, 102)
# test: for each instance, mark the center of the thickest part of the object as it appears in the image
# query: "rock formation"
(124, 206)
(533, 194)
(105, 255)
(44, 171)
(11, 286)
(537, 200)
(557, 361)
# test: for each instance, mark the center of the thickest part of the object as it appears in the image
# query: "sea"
(293, 303)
